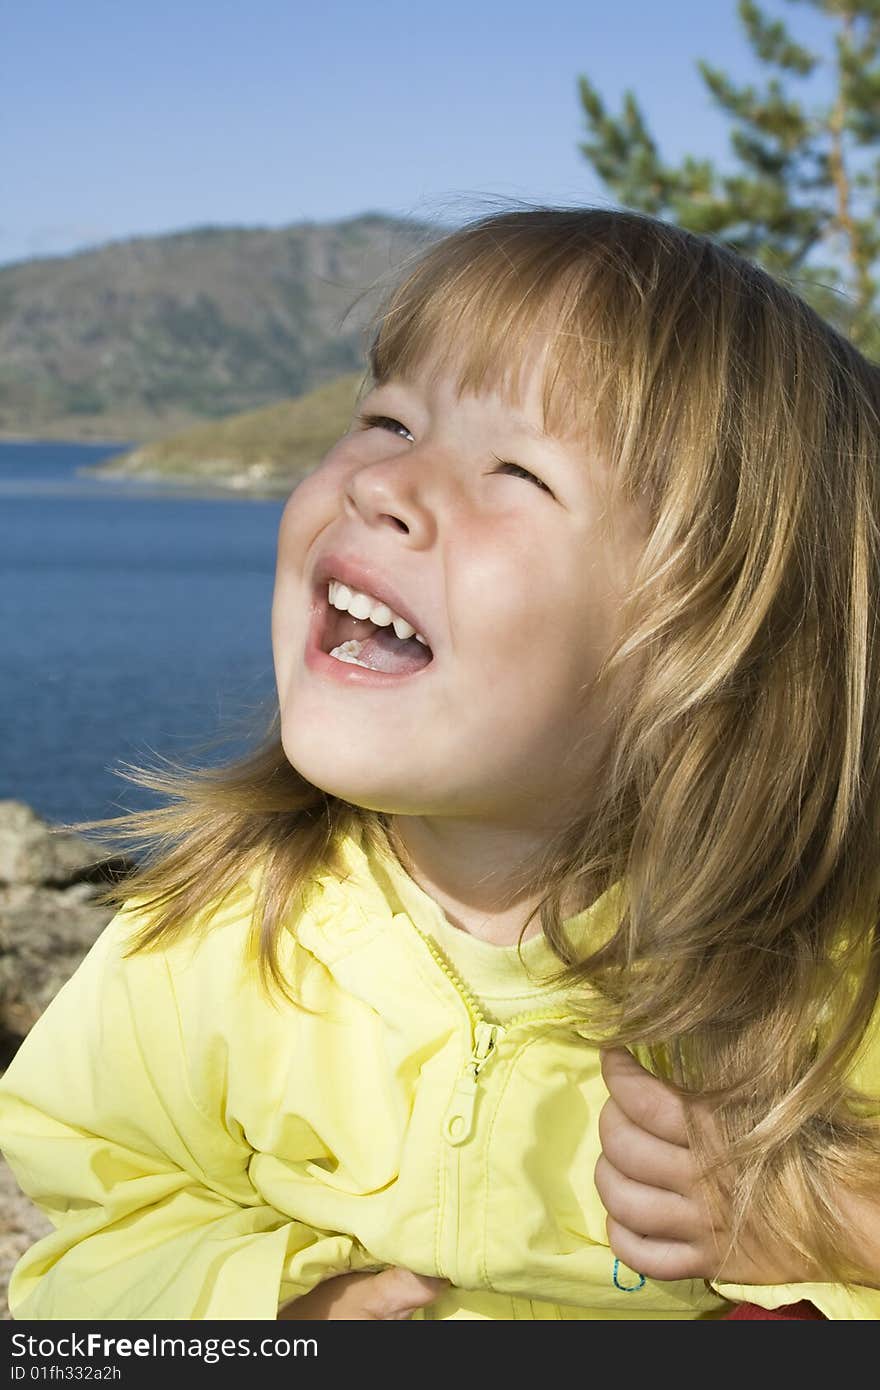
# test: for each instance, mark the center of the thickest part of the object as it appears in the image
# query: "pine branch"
(795, 189)
(773, 43)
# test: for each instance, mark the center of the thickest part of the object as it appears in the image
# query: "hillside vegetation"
(143, 338)
(265, 452)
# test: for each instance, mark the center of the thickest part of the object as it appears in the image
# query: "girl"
(528, 968)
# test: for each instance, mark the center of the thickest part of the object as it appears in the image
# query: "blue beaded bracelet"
(627, 1288)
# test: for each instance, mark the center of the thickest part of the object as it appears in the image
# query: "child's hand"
(392, 1295)
(658, 1221)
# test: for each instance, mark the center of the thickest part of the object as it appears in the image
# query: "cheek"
(312, 505)
(301, 510)
(561, 647)
(301, 521)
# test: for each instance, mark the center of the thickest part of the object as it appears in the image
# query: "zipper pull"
(486, 1036)
(459, 1120)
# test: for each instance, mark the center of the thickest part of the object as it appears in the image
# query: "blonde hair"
(739, 807)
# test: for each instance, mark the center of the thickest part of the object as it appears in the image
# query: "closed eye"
(370, 422)
(380, 422)
(524, 471)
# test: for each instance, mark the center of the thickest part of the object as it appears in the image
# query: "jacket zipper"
(458, 1122)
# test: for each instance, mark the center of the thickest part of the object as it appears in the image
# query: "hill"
(264, 452)
(141, 338)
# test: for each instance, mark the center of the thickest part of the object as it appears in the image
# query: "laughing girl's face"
(489, 538)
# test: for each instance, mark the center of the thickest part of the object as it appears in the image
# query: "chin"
(351, 779)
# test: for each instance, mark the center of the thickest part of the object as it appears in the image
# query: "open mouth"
(364, 643)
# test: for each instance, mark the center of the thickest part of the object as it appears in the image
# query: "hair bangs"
(481, 308)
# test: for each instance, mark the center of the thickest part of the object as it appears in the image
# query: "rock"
(44, 934)
(32, 851)
(49, 918)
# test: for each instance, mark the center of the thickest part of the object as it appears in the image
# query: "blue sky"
(122, 118)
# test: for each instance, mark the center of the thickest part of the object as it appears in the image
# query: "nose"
(393, 492)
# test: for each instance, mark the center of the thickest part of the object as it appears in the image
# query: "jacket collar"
(376, 894)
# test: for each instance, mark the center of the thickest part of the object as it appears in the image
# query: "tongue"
(384, 651)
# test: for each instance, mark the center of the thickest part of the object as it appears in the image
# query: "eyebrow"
(532, 430)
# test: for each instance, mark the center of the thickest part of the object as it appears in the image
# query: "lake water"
(133, 622)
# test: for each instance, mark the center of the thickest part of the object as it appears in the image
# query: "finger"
(652, 1211)
(642, 1156)
(395, 1293)
(643, 1098)
(656, 1259)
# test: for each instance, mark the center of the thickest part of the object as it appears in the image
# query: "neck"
(476, 872)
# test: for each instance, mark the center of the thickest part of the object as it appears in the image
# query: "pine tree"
(808, 183)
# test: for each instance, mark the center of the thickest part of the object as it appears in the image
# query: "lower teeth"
(348, 651)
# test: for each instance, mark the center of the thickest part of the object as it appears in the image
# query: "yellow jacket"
(207, 1154)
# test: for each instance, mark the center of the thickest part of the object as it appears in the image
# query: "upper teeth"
(361, 605)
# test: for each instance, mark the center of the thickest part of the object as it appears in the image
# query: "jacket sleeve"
(123, 1141)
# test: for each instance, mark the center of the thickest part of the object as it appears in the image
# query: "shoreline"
(249, 482)
(230, 485)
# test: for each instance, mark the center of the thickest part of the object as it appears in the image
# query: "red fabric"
(789, 1312)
